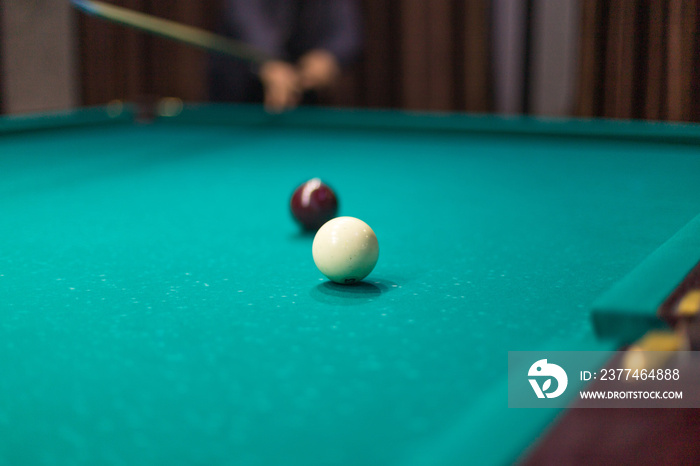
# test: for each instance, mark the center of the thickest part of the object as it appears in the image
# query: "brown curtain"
(640, 59)
(423, 56)
(2, 98)
(120, 63)
(418, 55)
(111, 59)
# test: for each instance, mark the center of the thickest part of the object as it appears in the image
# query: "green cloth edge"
(473, 437)
(686, 133)
(374, 119)
(66, 118)
(629, 309)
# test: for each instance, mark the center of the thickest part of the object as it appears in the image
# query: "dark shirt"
(285, 29)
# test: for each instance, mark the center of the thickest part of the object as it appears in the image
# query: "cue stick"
(172, 30)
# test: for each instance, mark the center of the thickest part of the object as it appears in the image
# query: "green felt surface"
(160, 306)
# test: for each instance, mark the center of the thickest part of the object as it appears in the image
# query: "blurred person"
(312, 41)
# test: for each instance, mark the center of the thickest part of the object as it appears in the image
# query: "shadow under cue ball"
(345, 250)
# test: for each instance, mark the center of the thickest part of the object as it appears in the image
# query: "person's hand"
(318, 69)
(281, 83)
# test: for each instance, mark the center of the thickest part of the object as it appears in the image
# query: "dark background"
(630, 59)
(416, 55)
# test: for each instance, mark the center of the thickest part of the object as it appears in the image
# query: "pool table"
(160, 306)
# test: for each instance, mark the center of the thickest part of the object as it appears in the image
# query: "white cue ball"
(345, 250)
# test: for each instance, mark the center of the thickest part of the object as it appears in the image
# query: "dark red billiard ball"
(313, 204)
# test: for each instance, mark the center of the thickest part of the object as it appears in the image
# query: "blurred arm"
(337, 41)
(251, 21)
